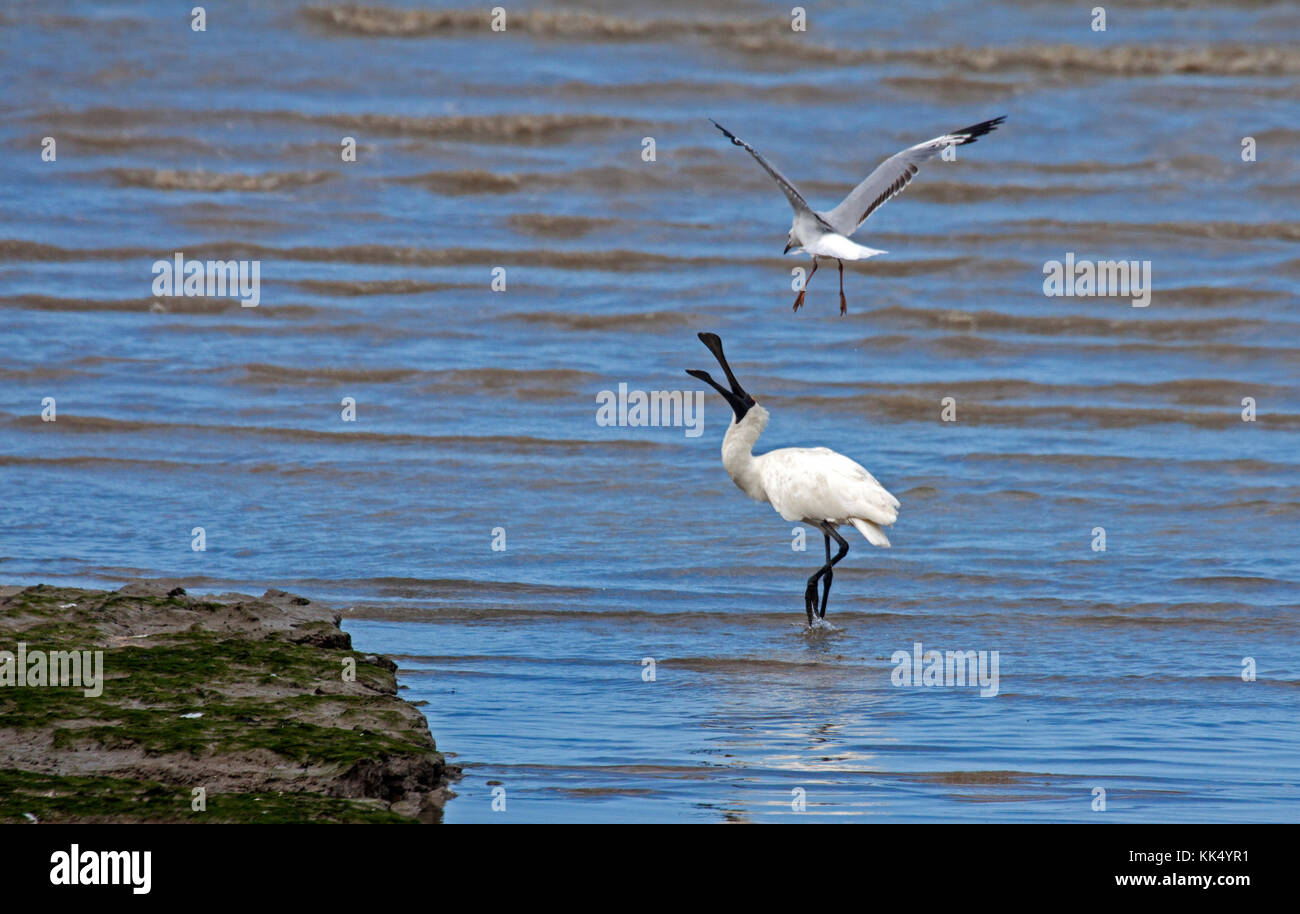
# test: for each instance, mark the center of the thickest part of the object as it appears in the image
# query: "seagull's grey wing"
(895, 173)
(797, 202)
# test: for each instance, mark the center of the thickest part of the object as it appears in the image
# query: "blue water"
(475, 408)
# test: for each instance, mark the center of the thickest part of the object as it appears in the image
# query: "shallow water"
(476, 408)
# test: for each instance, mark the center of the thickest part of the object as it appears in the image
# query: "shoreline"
(214, 708)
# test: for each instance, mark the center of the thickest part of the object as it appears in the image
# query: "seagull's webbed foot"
(798, 302)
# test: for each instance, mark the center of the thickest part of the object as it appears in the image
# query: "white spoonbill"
(826, 234)
(808, 485)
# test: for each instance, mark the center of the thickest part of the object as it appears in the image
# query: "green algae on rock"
(225, 709)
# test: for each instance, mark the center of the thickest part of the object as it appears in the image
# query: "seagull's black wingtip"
(975, 131)
(727, 133)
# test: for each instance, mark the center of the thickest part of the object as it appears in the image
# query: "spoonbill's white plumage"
(814, 486)
(826, 234)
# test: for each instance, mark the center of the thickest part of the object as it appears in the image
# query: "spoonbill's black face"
(736, 397)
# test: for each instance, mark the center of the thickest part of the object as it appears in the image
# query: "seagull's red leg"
(844, 306)
(799, 301)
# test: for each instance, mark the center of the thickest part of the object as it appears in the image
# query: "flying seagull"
(826, 234)
(813, 486)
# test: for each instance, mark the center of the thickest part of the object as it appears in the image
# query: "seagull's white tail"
(837, 246)
(875, 536)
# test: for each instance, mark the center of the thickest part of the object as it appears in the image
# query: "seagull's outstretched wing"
(895, 173)
(797, 202)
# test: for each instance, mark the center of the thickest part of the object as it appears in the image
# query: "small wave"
(1245, 465)
(467, 181)
(585, 793)
(978, 777)
(100, 463)
(611, 260)
(497, 379)
(360, 287)
(500, 128)
(1223, 59)
(771, 39)
(1191, 391)
(18, 249)
(1236, 581)
(648, 320)
(1106, 232)
(951, 89)
(1185, 164)
(371, 21)
(511, 443)
(749, 664)
(453, 589)
(960, 192)
(784, 92)
(1279, 136)
(177, 304)
(152, 143)
(526, 383)
(606, 179)
(172, 179)
(260, 373)
(907, 408)
(1053, 325)
(547, 226)
(1215, 296)
(206, 218)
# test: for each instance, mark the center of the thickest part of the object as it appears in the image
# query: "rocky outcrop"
(211, 709)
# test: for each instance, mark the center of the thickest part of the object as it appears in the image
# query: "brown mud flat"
(259, 701)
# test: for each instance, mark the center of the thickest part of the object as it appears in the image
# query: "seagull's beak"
(787, 248)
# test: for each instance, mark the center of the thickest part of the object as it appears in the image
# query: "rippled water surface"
(522, 150)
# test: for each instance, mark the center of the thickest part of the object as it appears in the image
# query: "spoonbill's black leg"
(810, 595)
(824, 572)
(830, 531)
(799, 301)
(844, 305)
